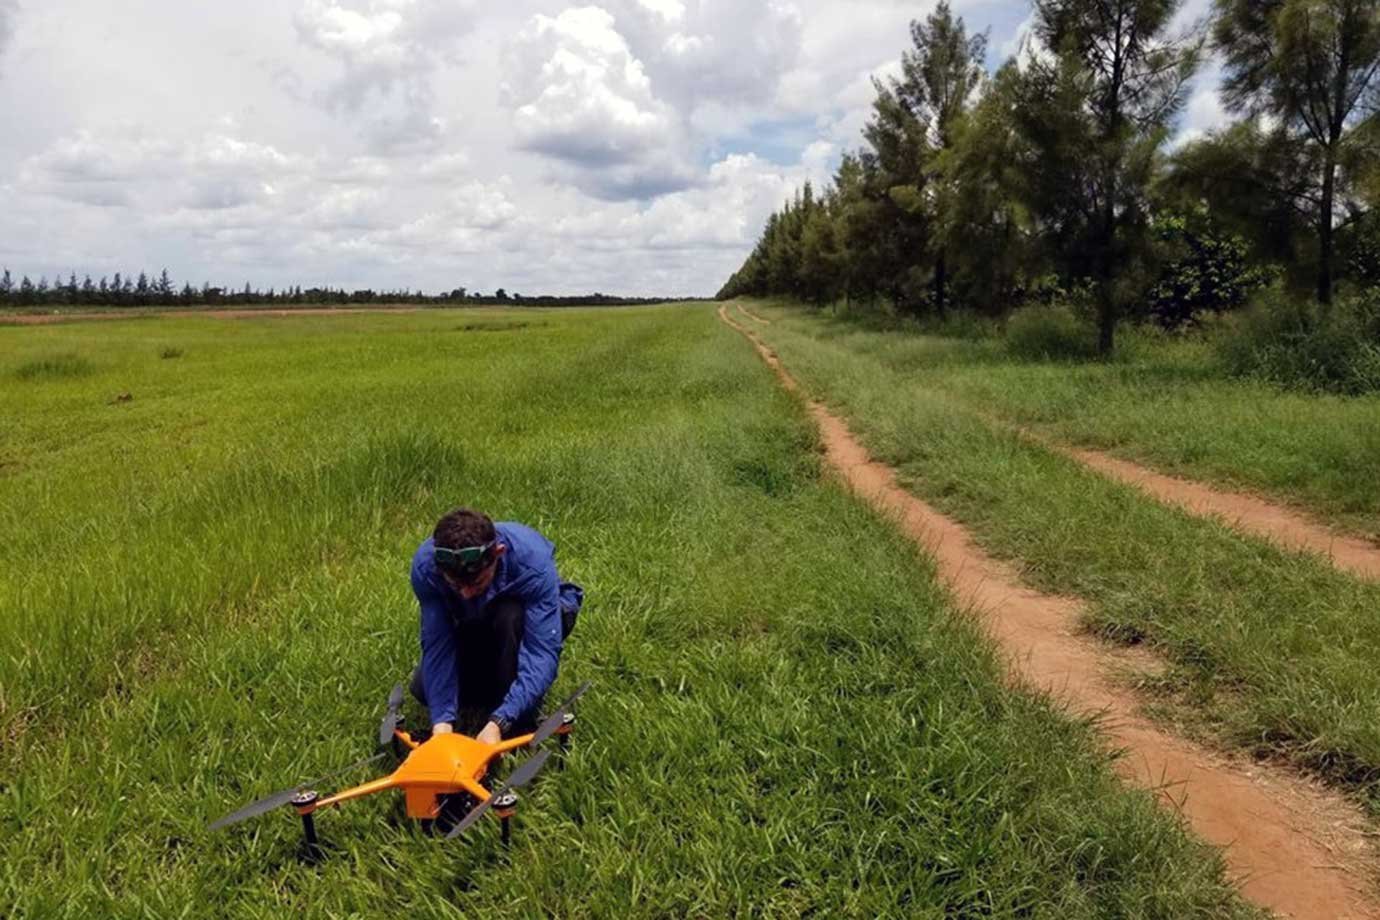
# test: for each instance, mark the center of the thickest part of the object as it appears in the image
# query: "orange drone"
(431, 772)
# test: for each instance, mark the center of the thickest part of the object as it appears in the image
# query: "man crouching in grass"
(494, 618)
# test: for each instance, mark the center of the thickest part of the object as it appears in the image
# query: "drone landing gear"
(311, 852)
(505, 806)
(563, 733)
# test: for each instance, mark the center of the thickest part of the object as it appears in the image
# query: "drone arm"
(358, 792)
(475, 789)
(513, 744)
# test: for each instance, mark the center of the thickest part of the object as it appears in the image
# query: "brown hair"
(463, 528)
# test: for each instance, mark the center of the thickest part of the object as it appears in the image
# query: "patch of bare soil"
(761, 321)
(45, 319)
(324, 311)
(49, 319)
(1245, 512)
(1290, 845)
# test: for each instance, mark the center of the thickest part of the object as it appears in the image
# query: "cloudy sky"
(632, 146)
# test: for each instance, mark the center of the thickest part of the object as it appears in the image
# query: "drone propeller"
(279, 799)
(554, 721)
(391, 717)
(520, 777)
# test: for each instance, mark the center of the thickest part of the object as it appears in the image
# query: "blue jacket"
(527, 572)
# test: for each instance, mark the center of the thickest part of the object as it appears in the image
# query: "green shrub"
(1208, 271)
(55, 367)
(1300, 345)
(1359, 246)
(1054, 333)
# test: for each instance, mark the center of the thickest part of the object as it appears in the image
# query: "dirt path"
(1245, 512)
(50, 319)
(761, 321)
(1289, 845)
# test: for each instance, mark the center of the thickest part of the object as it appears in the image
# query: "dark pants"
(486, 657)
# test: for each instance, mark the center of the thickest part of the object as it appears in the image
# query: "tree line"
(146, 291)
(1054, 179)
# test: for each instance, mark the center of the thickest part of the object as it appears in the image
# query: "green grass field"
(1274, 650)
(1162, 402)
(204, 598)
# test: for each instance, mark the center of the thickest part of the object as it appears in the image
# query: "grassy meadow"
(1272, 650)
(203, 598)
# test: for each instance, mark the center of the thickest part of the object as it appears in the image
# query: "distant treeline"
(143, 291)
(1053, 181)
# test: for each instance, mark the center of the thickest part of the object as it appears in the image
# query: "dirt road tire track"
(1247, 513)
(1289, 845)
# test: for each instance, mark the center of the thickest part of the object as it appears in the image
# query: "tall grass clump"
(65, 365)
(1297, 344)
(1053, 333)
(965, 325)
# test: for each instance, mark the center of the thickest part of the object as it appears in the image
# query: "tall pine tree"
(1313, 67)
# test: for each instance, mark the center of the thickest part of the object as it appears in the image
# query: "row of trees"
(1053, 177)
(143, 291)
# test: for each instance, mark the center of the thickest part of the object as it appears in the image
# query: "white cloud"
(446, 166)
(388, 51)
(579, 94)
(481, 206)
(1192, 15)
(365, 170)
(1024, 34)
(130, 164)
(627, 97)
(346, 209)
(721, 215)
(580, 97)
(9, 12)
(712, 52)
(88, 159)
(669, 10)
(848, 109)
(1204, 111)
(729, 211)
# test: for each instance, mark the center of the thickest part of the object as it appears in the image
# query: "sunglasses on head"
(465, 563)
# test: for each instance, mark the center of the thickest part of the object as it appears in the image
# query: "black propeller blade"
(390, 718)
(553, 721)
(524, 774)
(279, 799)
(521, 777)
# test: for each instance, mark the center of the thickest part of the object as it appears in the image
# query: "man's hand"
(491, 734)
(442, 728)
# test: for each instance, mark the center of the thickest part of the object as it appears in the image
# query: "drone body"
(444, 765)
(431, 770)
